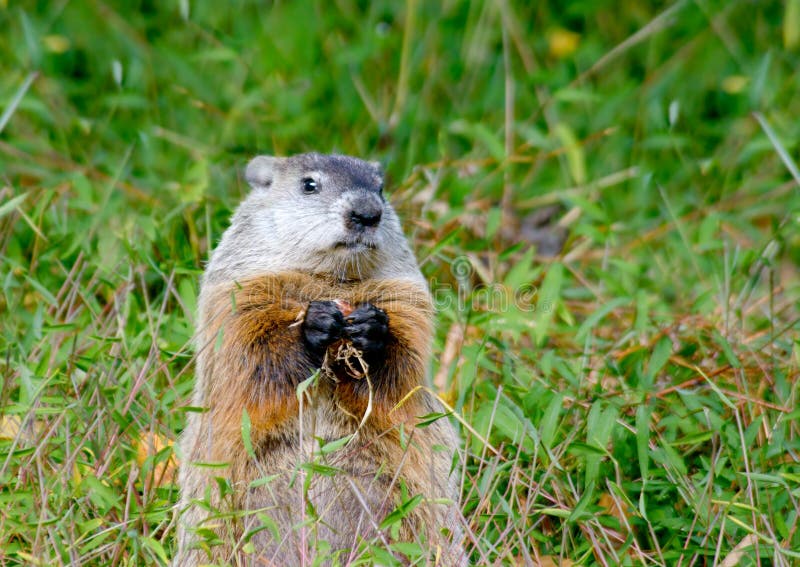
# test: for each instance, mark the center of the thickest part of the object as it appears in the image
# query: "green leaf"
(669, 456)
(600, 314)
(586, 449)
(101, 495)
(12, 204)
(267, 523)
(557, 512)
(430, 418)
(727, 350)
(264, 480)
(409, 549)
(549, 422)
(599, 426)
(402, 511)
(493, 218)
(319, 468)
(579, 513)
(575, 156)
(480, 134)
(335, 445)
(643, 414)
(246, 438)
(521, 273)
(195, 182)
(505, 423)
(155, 546)
(548, 301)
(380, 556)
(85, 528)
(660, 356)
(306, 384)
(791, 25)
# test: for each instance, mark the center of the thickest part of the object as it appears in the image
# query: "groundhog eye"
(309, 185)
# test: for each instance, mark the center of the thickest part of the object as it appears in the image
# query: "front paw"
(367, 327)
(322, 325)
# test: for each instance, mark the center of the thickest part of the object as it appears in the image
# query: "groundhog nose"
(365, 217)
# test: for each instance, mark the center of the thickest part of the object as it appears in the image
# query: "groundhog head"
(327, 212)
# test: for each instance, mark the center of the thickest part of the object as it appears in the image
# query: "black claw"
(322, 325)
(368, 328)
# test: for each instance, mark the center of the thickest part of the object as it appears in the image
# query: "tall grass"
(639, 406)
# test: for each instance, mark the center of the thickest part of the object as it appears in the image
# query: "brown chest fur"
(252, 359)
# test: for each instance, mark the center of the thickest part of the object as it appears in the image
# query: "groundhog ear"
(378, 167)
(260, 171)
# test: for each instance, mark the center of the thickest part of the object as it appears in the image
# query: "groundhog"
(316, 430)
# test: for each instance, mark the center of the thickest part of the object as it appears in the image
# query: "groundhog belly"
(341, 497)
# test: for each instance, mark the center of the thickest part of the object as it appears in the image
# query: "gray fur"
(278, 228)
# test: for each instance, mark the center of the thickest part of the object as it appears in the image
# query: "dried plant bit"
(326, 369)
(349, 355)
(299, 319)
(368, 411)
(347, 413)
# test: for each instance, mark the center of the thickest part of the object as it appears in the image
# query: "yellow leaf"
(734, 84)
(562, 43)
(9, 427)
(150, 444)
(56, 43)
(791, 25)
(738, 552)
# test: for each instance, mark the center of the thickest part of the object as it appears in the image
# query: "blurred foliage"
(637, 405)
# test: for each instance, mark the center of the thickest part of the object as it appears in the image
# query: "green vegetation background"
(644, 412)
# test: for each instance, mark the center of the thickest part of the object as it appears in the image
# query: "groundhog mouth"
(355, 245)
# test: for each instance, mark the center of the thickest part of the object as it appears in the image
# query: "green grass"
(637, 406)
